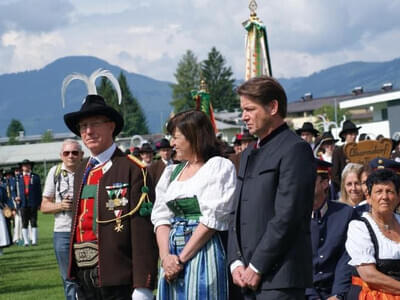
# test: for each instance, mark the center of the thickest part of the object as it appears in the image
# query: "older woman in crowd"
(373, 241)
(351, 191)
(193, 203)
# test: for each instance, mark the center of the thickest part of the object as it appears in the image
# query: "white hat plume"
(91, 83)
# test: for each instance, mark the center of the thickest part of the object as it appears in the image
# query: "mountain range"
(34, 97)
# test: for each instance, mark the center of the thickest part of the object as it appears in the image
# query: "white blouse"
(360, 247)
(213, 185)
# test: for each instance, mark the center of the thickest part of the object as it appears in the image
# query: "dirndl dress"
(359, 289)
(205, 275)
(206, 198)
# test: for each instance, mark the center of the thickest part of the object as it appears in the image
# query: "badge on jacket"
(116, 201)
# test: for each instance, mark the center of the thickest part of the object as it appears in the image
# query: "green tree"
(328, 111)
(47, 136)
(13, 130)
(220, 83)
(134, 119)
(188, 78)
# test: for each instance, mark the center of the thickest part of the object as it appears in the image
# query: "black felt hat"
(94, 105)
(348, 126)
(146, 148)
(26, 162)
(163, 144)
(307, 127)
(326, 137)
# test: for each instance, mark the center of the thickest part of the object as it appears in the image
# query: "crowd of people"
(282, 214)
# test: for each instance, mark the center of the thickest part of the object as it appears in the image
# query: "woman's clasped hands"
(172, 267)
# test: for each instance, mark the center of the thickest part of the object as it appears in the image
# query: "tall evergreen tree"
(134, 119)
(14, 128)
(188, 78)
(220, 83)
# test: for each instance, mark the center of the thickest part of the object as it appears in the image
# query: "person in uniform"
(112, 247)
(29, 196)
(329, 222)
(269, 244)
(308, 133)
(5, 216)
(157, 168)
(12, 192)
(348, 134)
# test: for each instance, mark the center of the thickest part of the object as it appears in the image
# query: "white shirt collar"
(106, 155)
(166, 162)
(64, 168)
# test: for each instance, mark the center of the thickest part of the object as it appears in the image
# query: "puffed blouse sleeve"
(359, 244)
(216, 198)
(161, 214)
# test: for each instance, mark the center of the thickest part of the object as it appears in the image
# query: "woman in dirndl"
(193, 204)
(373, 242)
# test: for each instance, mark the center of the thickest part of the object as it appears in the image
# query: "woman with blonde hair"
(350, 190)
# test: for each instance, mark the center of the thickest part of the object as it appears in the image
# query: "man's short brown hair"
(264, 89)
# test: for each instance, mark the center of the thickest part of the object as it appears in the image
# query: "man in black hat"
(307, 132)
(348, 134)
(157, 168)
(29, 197)
(146, 154)
(324, 146)
(112, 249)
(329, 222)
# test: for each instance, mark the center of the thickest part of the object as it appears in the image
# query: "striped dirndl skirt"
(204, 276)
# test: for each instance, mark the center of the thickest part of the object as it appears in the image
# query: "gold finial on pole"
(203, 85)
(253, 8)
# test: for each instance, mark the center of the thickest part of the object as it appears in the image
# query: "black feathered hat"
(94, 105)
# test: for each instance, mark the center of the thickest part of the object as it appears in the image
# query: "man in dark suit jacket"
(269, 247)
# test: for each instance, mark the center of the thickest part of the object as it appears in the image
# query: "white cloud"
(150, 36)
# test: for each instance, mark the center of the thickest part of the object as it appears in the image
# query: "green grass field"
(32, 272)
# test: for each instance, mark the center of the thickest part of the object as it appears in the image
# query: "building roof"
(371, 99)
(313, 104)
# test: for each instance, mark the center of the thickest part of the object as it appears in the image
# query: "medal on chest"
(116, 201)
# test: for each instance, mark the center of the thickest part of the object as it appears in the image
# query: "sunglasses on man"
(67, 153)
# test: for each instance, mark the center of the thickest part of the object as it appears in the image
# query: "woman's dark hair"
(198, 130)
(383, 176)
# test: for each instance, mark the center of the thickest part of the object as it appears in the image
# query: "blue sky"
(150, 36)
